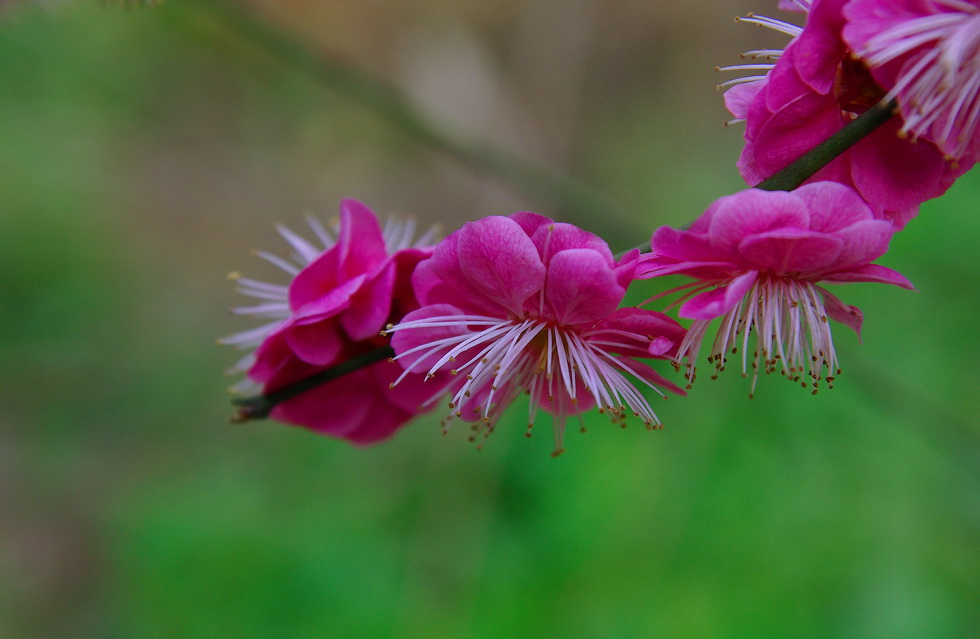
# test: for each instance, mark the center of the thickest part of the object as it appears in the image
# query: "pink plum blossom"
(927, 55)
(346, 286)
(523, 304)
(758, 258)
(801, 96)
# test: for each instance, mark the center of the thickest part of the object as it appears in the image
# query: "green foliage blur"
(146, 150)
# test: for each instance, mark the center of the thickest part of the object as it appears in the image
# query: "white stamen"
(938, 94)
(791, 329)
(510, 356)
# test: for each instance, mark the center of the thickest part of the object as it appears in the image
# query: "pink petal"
(871, 273)
(336, 408)
(370, 305)
(819, 49)
(895, 173)
(738, 98)
(581, 287)
(327, 303)
(718, 301)
(271, 357)
(380, 424)
(654, 267)
(791, 251)
(552, 238)
(753, 211)
(702, 224)
(682, 245)
(530, 221)
(864, 242)
(659, 346)
(899, 218)
(797, 126)
(500, 261)
(439, 280)
(360, 241)
(626, 268)
(403, 294)
(318, 344)
(315, 281)
(838, 311)
(833, 206)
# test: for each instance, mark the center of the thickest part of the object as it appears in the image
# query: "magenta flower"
(926, 54)
(343, 292)
(522, 304)
(758, 258)
(810, 91)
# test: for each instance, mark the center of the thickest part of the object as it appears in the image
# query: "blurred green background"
(145, 151)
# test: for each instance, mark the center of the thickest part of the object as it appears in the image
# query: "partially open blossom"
(927, 55)
(806, 93)
(522, 304)
(346, 285)
(758, 259)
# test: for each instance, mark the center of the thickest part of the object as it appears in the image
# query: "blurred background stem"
(553, 189)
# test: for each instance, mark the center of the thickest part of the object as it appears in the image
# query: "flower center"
(855, 88)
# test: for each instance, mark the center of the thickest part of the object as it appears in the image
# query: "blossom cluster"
(525, 305)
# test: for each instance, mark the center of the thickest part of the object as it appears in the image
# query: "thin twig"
(549, 186)
(823, 154)
(260, 406)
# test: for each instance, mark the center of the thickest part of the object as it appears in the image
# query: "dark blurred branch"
(552, 188)
(823, 154)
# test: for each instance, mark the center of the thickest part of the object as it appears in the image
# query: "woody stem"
(823, 154)
(259, 406)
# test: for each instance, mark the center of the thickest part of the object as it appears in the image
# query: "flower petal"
(499, 260)
(552, 238)
(370, 305)
(581, 287)
(318, 344)
(895, 173)
(439, 280)
(833, 206)
(682, 245)
(864, 242)
(739, 97)
(791, 251)
(754, 211)
(336, 408)
(718, 301)
(360, 241)
(626, 268)
(530, 221)
(872, 273)
(315, 281)
(838, 311)
(327, 303)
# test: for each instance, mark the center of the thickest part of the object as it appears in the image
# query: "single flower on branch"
(345, 287)
(523, 304)
(758, 259)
